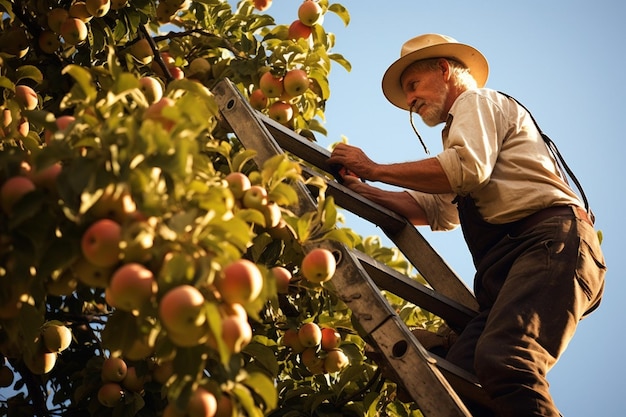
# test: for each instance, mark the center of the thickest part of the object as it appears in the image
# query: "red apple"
(296, 82)
(280, 111)
(271, 85)
(74, 31)
(310, 334)
(258, 100)
(155, 112)
(298, 30)
(236, 333)
(26, 97)
(13, 190)
(131, 287)
(312, 361)
(202, 404)
(98, 8)
(56, 17)
(114, 369)
(100, 243)
(49, 42)
(283, 278)
(318, 265)
(110, 394)
(238, 183)
(182, 309)
(331, 339)
(310, 12)
(335, 361)
(262, 5)
(240, 282)
(292, 340)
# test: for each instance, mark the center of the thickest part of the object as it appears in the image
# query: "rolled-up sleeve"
(471, 142)
(441, 213)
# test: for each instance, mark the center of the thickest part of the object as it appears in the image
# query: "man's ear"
(444, 65)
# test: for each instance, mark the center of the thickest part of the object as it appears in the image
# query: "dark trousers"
(533, 289)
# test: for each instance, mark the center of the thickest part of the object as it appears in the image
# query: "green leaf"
(28, 72)
(338, 58)
(83, 78)
(264, 387)
(340, 11)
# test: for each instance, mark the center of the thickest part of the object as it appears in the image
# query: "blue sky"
(563, 60)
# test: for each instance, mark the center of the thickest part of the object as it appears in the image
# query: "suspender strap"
(555, 151)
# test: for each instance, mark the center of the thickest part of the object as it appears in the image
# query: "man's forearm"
(426, 176)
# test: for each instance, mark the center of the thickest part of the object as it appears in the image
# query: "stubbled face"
(426, 93)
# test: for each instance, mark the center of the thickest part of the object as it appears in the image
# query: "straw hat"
(428, 46)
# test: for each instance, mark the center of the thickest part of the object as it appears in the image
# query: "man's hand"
(354, 160)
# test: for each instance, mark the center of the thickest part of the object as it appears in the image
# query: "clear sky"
(563, 60)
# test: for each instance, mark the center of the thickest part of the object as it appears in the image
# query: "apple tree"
(147, 265)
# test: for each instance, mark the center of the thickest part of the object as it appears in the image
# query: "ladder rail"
(423, 380)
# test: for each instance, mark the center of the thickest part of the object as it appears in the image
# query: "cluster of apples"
(41, 355)
(118, 378)
(69, 26)
(319, 349)
(277, 90)
(14, 123)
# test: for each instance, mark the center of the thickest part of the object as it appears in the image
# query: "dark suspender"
(555, 151)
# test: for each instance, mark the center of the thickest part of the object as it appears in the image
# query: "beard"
(433, 113)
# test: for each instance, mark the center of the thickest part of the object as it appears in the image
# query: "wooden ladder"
(432, 382)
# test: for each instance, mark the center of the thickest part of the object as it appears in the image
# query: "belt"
(534, 219)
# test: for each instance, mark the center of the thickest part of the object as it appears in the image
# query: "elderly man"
(539, 266)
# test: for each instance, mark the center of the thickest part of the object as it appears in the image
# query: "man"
(539, 266)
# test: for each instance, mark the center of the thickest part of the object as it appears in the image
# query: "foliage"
(101, 142)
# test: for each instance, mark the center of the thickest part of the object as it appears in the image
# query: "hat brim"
(467, 55)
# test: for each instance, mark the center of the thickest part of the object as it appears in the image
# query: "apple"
(292, 340)
(280, 111)
(236, 333)
(335, 361)
(258, 100)
(298, 30)
(49, 42)
(271, 85)
(151, 88)
(165, 12)
(62, 123)
(90, 274)
(310, 334)
(318, 265)
(202, 404)
(131, 287)
(177, 73)
(132, 381)
(262, 5)
(56, 338)
(182, 309)
(98, 8)
(40, 362)
(199, 68)
(142, 51)
(312, 361)
(296, 82)
(273, 215)
(155, 112)
(225, 406)
(78, 9)
(240, 282)
(331, 339)
(56, 17)
(26, 97)
(74, 31)
(100, 244)
(255, 197)
(283, 277)
(13, 190)
(238, 183)
(310, 12)
(114, 369)
(162, 371)
(110, 394)
(6, 376)
(46, 178)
